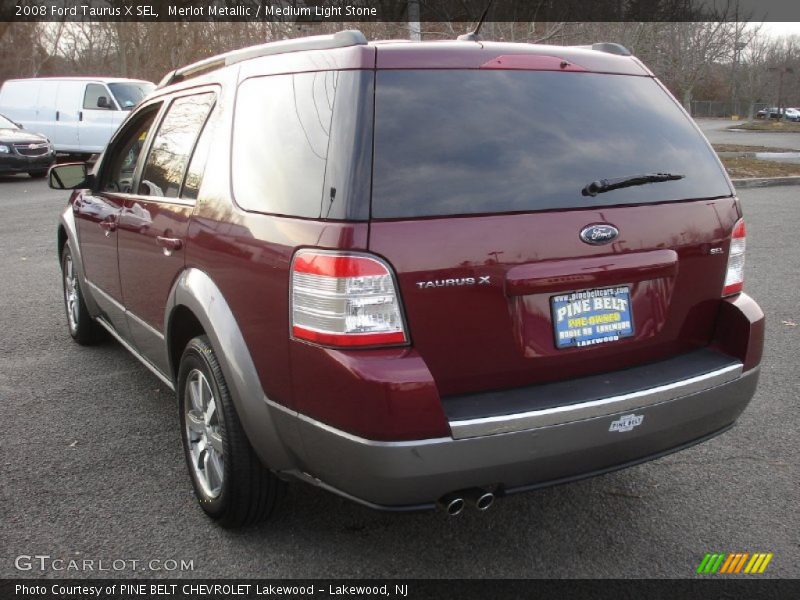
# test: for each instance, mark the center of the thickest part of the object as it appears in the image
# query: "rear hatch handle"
(596, 271)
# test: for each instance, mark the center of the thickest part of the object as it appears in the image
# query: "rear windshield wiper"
(606, 185)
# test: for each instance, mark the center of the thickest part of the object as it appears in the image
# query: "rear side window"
(468, 142)
(173, 144)
(280, 144)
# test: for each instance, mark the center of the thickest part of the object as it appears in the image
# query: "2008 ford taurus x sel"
(416, 273)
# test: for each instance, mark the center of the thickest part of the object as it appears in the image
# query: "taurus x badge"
(459, 281)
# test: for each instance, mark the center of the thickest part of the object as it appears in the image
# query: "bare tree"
(690, 58)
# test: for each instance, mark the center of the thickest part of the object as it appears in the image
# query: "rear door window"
(173, 144)
(490, 141)
(197, 166)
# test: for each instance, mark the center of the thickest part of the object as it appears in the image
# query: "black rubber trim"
(584, 389)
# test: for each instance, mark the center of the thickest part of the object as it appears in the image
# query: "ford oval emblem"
(598, 234)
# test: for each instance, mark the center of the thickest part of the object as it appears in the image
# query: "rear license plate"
(590, 317)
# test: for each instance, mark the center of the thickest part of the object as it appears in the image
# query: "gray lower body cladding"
(408, 475)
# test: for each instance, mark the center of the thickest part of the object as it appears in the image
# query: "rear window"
(468, 142)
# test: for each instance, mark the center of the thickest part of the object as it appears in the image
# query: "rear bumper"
(411, 475)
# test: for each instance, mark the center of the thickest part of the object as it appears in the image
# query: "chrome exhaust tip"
(452, 504)
(480, 499)
(484, 501)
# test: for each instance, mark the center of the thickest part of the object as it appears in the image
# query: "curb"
(755, 182)
(763, 154)
(736, 154)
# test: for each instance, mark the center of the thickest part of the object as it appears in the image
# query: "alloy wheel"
(71, 298)
(203, 433)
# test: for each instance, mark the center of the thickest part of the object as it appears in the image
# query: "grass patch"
(740, 168)
(744, 148)
(769, 125)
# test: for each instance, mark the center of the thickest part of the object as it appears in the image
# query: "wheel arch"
(68, 232)
(198, 307)
(182, 327)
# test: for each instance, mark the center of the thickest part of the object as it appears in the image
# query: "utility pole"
(737, 49)
(414, 29)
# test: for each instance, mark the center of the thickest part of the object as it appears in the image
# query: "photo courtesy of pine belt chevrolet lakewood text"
(415, 274)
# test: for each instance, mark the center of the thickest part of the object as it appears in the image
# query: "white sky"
(781, 29)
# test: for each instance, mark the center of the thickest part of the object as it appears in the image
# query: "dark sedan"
(22, 151)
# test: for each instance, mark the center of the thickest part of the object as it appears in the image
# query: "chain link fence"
(721, 109)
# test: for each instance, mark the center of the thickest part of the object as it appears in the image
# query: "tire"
(38, 174)
(80, 324)
(231, 484)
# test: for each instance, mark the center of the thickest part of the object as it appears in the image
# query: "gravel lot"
(91, 464)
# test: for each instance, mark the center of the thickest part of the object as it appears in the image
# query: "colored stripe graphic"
(703, 563)
(729, 563)
(715, 563)
(764, 564)
(754, 564)
(740, 564)
(719, 562)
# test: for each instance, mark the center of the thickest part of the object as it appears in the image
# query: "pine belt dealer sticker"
(591, 317)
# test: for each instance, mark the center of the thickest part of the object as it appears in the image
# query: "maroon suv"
(416, 273)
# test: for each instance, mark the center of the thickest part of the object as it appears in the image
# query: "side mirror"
(69, 176)
(19, 125)
(103, 102)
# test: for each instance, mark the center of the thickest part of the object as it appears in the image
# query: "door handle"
(80, 115)
(109, 226)
(57, 115)
(170, 245)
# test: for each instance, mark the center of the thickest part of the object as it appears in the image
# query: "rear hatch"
(505, 260)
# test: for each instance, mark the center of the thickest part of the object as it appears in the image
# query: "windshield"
(6, 124)
(129, 94)
(488, 141)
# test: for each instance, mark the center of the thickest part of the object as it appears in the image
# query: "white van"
(77, 114)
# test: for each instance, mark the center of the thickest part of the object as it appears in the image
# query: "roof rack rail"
(608, 47)
(340, 39)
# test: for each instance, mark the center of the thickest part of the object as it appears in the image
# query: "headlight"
(4, 149)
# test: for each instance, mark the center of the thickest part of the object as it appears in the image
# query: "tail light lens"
(734, 278)
(344, 299)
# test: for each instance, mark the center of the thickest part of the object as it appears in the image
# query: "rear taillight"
(734, 278)
(344, 299)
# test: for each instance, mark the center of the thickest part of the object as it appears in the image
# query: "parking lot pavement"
(717, 132)
(91, 465)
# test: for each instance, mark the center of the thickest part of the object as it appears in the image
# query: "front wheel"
(82, 327)
(231, 484)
